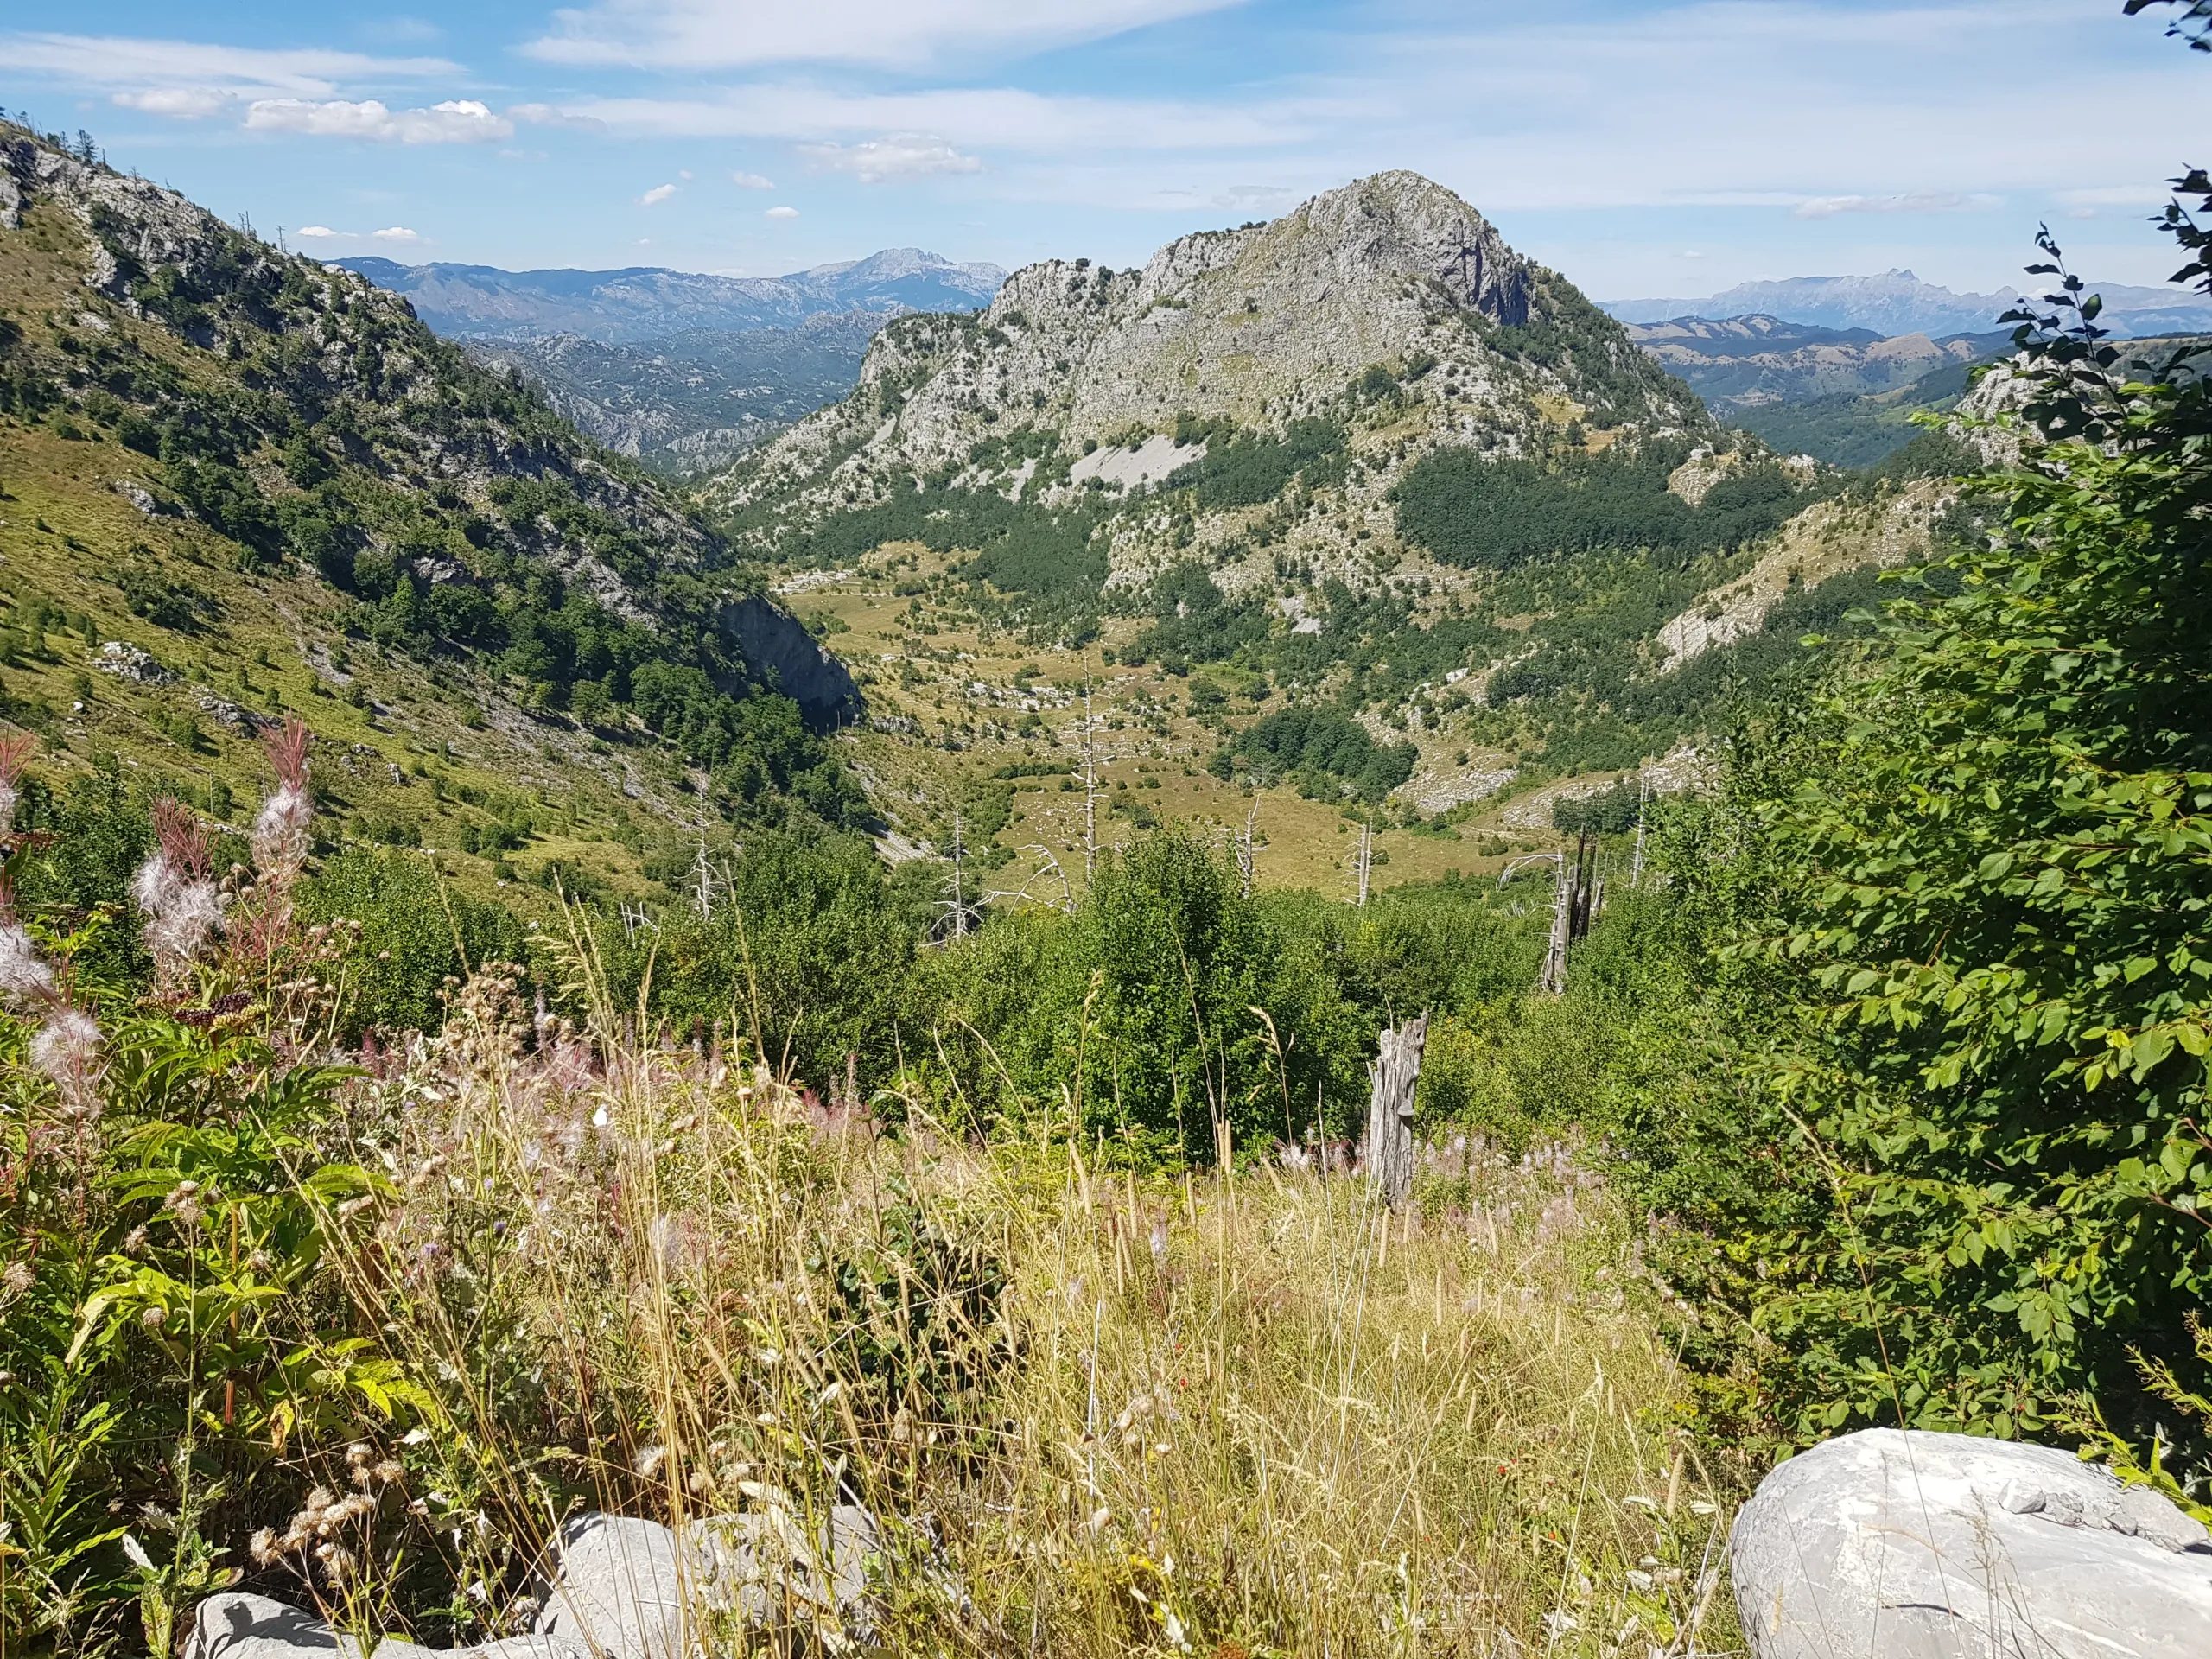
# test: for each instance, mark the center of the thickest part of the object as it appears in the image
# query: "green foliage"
(1245, 469)
(1329, 752)
(804, 954)
(1963, 903)
(416, 936)
(1470, 510)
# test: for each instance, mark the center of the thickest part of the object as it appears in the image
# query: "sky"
(1642, 148)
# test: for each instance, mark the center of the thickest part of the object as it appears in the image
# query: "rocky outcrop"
(1925, 1546)
(776, 646)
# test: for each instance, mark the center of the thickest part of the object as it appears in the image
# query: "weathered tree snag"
(1390, 1110)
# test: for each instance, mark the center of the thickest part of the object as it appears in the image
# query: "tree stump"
(1390, 1110)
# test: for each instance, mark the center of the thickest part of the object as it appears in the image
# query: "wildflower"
(263, 1547)
(134, 1242)
(16, 1278)
(180, 903)
(154, 1318)
(24, 975)
(280, 834)
(67, 1049)
(15, 755)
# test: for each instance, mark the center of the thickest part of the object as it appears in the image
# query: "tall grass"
(1095, 1412)
(366, 1330)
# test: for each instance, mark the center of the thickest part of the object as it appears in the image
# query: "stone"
(771, 1570)
(508, 1647)
(1913, 1545)
(236, 1625)
(129, 662)
(619, 1589)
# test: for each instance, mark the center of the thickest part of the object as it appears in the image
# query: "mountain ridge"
(1898, 302)
(639, 303)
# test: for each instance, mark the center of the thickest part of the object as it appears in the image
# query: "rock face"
(774, 643)
(1925, 1546)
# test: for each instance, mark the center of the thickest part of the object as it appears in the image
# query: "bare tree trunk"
(1554, 976)
(1390, 1110)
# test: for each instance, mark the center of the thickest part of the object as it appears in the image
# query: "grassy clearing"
(920, 669)
(1097, 1413)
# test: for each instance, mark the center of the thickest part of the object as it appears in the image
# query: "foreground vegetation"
(363, 1331)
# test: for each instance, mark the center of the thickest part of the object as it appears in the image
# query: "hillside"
(239, 484)
(1358, 507)
(648, 303)
(1738, 363)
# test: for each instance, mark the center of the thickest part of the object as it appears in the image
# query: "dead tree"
(1365, 860)
(1390, 1110)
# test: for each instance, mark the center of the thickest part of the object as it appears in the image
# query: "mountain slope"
(647, 302)
(1357, 507)
(1899, 302)
(1741, 363)
(240, 485)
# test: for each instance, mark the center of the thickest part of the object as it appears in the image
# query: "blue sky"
(1644, 147)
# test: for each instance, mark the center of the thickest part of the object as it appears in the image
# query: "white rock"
(235, 1625)
(1925, 1546)
(619, 1589)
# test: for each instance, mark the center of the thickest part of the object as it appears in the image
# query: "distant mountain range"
(649, 303)
(1899, 302)
(692, 401)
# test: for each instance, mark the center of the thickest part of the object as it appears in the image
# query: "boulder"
(1911, 1545)
(618, 1588)
(235, 1625)
(771, 1570)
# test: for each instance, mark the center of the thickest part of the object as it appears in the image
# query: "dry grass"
(1097, 1413)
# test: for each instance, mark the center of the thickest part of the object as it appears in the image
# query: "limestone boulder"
(1911, 1545)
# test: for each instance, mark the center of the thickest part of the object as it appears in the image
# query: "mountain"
(1358, 507)
(1740, 363)
(1898, 302)
(648, 303)
(236, 485)
(694, 400)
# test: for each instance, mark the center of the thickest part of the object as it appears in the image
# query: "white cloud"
(178, 102)
(456, 121)
(545, 115)
(658, 194)
(781, 212)
(986, 117)
(103, 62)
(1911, 202)
(699, 35)
(906, 156)
(390, 236)
(752, 181)
(402, 30)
